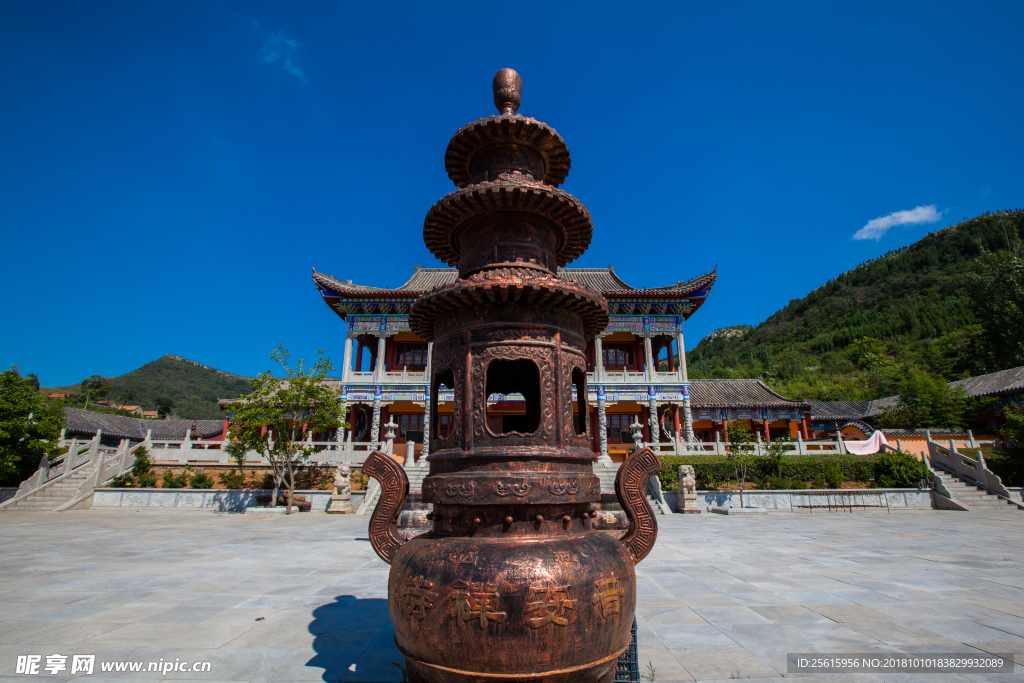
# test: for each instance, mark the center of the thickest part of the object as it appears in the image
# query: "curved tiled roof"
(1002, 382)
(727, 393)
(85, 423)
(603, 280)
(935, 433)
(422, 280)
(839, 410)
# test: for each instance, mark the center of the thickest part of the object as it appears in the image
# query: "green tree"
(164, 405)
(998, 293)
(129, 395)
(277, 415)
(741, 452)
(1013, 428)
(926, 401)
(95, 388)
(29, 428)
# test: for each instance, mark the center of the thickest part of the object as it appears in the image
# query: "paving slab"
(303, 598)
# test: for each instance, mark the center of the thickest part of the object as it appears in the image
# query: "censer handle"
(394, 488)
(630, 487)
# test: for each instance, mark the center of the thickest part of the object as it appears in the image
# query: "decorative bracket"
(630, 487)
(394, 485)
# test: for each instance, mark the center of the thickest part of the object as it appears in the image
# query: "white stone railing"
(971, 469)
(403, 376)
(798, 447)
(186, 451)
(624, 377)
(106, 464)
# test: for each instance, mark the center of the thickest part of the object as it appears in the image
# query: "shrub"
(710, 470)
(832, 475)
(142, 465)
(267, 482)
(232, 479)
(141, 473)
(774, 482)
(169, 481)
(202, 480)
(123, 481)
(899, 469)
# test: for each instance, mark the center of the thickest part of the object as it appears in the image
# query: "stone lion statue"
(342, 481)
(687, 479)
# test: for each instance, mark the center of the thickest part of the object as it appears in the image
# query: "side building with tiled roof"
(636, 367)
(79, 423)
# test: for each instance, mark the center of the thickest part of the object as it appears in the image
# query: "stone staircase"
(974, 497)
(416, 474)
(54, 495)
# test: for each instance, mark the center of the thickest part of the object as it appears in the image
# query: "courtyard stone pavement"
(303, 598)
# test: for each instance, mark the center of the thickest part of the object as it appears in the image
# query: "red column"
(676, 419)
(671, 358)
(391, 354)
(725, 429)
(767, 432)
(803, 426)
(224, 434)
(359, 355)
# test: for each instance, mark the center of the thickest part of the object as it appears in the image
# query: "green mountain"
(193, 387)
(911, 303)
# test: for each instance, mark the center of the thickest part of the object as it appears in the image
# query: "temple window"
(412, 356)
(410, 426)
(618, 427)
(617, 355)
(444, 425)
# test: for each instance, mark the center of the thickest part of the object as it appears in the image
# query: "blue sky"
(170, 171)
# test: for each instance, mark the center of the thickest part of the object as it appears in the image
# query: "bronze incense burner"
(513, 582)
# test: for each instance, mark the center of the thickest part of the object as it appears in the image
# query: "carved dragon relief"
(630, 487)
(394, 485)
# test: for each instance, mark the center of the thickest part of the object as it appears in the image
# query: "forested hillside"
(193, 388)
(859, 335)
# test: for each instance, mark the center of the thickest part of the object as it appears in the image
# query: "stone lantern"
(512, 581)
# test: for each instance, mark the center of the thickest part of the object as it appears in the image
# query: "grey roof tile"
(1002, 382)
(838, 410)
(85, 423)
(737, 392)
(602, 280)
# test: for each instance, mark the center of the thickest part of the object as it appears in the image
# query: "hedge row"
(712, 470)
(888, 470)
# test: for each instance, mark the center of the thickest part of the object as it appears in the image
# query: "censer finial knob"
(508, 91)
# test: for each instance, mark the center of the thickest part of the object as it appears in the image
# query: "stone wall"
(799, 501)
(211, 500)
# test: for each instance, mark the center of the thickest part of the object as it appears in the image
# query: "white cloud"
(877, 227)
(279, 49)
